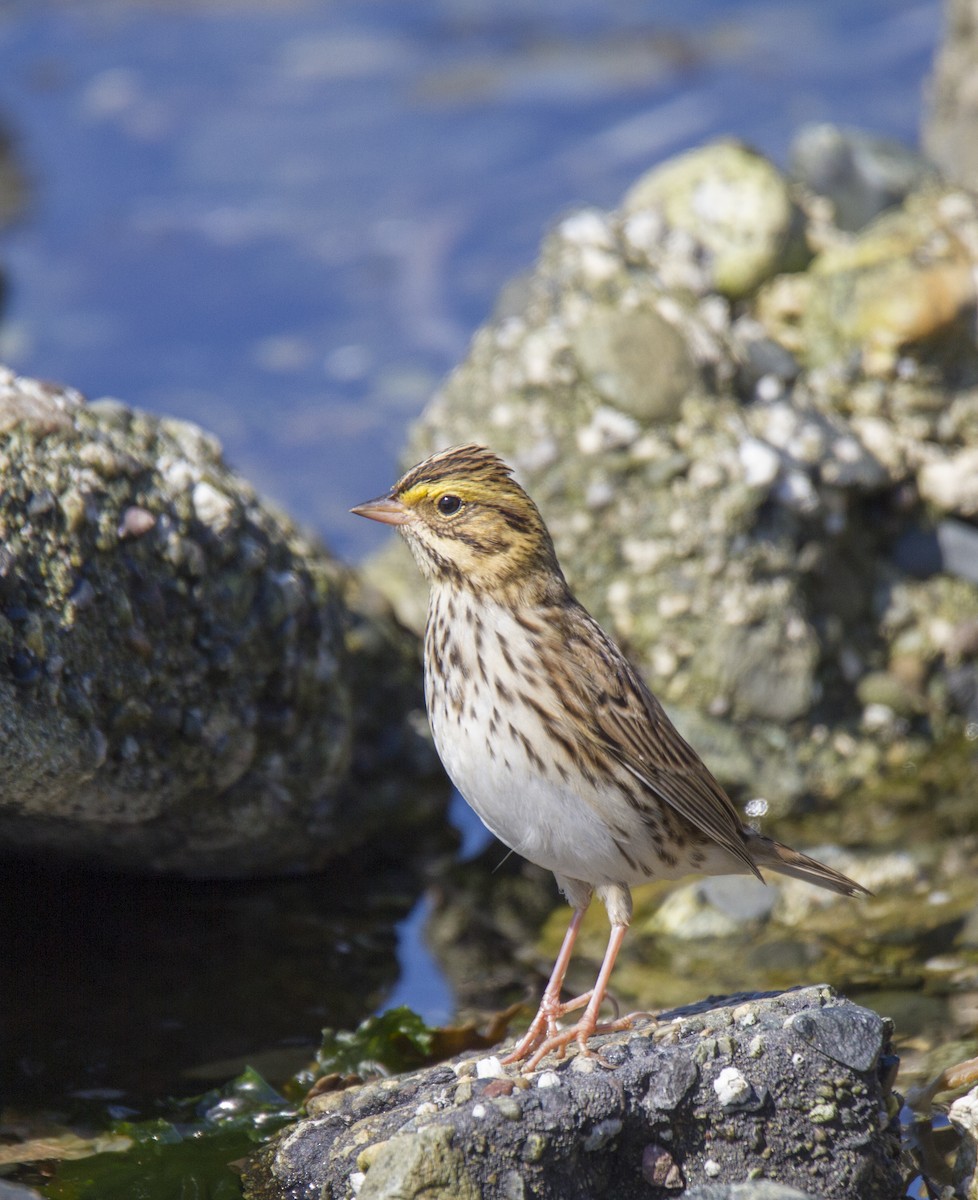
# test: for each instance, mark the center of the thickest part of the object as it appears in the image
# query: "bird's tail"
(766, 852)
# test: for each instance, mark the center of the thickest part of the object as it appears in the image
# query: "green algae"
(186, 1153)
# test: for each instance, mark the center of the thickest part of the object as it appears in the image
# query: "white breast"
(497, 751)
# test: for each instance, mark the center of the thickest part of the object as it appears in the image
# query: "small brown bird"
(548, 731)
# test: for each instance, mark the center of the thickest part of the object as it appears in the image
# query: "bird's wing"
(626, 719)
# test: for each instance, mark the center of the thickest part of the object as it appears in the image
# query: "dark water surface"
(120, 991)
(284, 221)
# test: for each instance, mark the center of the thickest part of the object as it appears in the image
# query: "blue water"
(286, 221)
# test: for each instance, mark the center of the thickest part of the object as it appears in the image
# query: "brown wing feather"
(630, 724)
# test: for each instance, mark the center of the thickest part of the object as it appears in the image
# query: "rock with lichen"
(731, 205)
(187, 683)
(791, 1091)
(897, 299)
(755, 448)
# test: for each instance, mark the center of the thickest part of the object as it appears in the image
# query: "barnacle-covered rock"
(734, 205)
(904, 285)
(187, 683)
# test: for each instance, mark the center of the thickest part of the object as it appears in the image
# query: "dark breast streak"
(557, 737)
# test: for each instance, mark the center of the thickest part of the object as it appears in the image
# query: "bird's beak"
(385, 509)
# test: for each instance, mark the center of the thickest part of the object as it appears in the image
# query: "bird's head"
(469, 523)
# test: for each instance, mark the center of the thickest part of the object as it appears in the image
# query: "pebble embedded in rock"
(735, 203)
(731, 1088)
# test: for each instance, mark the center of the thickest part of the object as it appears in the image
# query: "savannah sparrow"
(547, 730)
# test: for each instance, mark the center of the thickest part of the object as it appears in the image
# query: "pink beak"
(385, 509)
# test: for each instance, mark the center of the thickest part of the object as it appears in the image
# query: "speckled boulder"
(770, 500)
(186, 683)
(793, 1090)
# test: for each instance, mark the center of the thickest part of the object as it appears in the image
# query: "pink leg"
(588, 1024)
(544, 1024)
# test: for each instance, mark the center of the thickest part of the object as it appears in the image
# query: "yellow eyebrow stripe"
(414, 494)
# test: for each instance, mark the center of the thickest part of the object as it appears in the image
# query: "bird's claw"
(581, 1033)
(544, 1025)
(534, 1046)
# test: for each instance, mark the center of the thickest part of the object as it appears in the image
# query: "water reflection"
(131, 989)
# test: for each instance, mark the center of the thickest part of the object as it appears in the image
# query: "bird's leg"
(618, 901)
(544, 1024)
(588, 1023)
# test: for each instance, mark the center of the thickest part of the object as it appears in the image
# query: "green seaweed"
(392, 1041)
(189, 1151)
(186, 1155)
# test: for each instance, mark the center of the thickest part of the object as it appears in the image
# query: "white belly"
(558, 825)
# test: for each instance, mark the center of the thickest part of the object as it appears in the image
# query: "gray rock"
(187, 683)
(861, 173)
(958, 545)
(952, 99)
(620, 352)
(854, 1039)
(714, 907)
(658, 1115)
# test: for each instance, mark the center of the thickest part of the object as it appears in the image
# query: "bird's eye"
(449, 505)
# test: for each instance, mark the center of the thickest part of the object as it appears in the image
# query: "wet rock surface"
(187, 683)
(790, 1089)
(755, 454)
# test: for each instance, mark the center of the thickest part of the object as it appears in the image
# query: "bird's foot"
(544, 1025)
(544, 1037)
(585, 1029)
